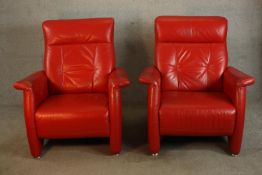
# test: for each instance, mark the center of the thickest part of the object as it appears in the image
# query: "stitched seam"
(94, 68)
(62, 65)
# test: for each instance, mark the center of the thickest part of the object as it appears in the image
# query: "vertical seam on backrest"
(62, 64)
(94, 68)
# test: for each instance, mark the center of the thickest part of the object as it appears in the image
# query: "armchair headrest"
(191, 29)
(77, 31)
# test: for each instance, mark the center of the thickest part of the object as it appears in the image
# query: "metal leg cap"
(155, 154)
(234, 155)
(117, 155)
(38, 157)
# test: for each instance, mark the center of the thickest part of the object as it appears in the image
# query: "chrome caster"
(234, 155)
(155, 154)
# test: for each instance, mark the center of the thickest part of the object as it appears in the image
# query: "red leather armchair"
(191, 89)
(78, 94)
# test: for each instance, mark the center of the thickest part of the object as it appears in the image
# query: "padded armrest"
(35, 89)
(119, 78)
(238, 78)
(150, 75)
(30, 81)
(235, 83)
(36, 84)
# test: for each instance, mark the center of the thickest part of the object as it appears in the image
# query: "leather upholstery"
(235, 83)
(193, 29)
(73, 115)
(209, 113)
(191, 52)
(151, 77)
(191, 66)
(191, 90)
(78, 59)
(81, 31)
(78, 94)
(117, 79)
(35, 90)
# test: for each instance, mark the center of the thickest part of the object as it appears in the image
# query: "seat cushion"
(73, 115)
(196, 113)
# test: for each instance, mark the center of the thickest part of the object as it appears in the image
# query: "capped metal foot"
(117, 155)
(234, 155)
(155, 154)
(38, 157)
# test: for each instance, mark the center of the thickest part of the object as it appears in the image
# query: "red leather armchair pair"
(191, 89)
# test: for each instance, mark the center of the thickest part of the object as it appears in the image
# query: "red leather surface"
(200, 95)
(193, 29)
(152, 78)
(73, 115)
(79, 58)
(196, 113)
(74, 96)
(191, 67)
(117, 79)
(77, 31)
(35, 90)
(235, 83)
(238, 78)
(150, 75)
(191, 52)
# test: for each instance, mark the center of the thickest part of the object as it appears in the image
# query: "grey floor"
(179, 155)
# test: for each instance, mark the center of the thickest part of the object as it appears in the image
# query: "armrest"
(237, 78)
(118, 78)
(35, 89)
(235, 83)
(150, 75)
(35, 84)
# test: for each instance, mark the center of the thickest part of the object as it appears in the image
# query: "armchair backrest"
(79, 54)
(191, 52)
